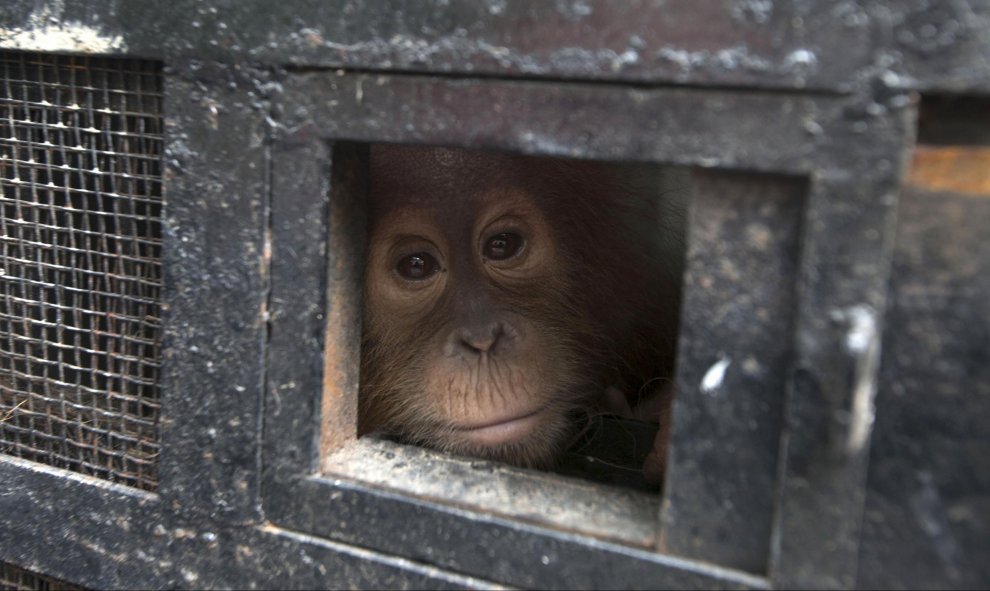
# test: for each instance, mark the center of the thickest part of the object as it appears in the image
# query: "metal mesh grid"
(80, 263)
(17, 579)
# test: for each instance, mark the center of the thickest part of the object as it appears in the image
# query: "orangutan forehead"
(433, 177)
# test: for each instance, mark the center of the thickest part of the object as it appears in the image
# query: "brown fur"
(590, 306)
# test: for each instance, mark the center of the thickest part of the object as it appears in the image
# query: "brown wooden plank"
(961, 169)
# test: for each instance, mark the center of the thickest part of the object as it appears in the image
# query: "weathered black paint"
(924, 44)
(926, 522)
(215, 217)
(721, 498)
(814, 91)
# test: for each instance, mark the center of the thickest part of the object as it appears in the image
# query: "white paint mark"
(801, 58)
(727, 58)
(862, 328)
(190, 576)
(714, 376)
(863, 344)
(44, 31)
(497, 7)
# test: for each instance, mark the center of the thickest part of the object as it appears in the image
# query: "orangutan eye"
(417, 266)
(502, 246)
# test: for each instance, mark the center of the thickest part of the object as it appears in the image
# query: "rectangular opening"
(740, 266)
(571, 268)
(80, 263)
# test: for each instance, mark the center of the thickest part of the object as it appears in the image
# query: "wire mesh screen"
(18, 579)
(80, 263)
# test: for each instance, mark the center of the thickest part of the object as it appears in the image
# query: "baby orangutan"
(509, 298)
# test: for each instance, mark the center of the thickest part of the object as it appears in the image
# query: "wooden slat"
(960, 169)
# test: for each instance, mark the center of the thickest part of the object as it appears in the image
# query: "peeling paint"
(731, 58)
(189, 575)
(44, 31)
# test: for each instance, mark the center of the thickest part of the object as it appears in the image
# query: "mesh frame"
(80, 263)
